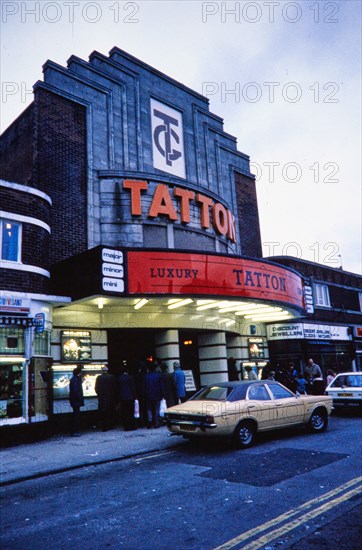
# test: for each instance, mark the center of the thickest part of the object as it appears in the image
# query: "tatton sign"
(211, 213)
(204, 274)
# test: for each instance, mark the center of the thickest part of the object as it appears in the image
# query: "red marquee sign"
(203, 274)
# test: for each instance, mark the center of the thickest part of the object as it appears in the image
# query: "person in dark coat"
(154, 394)
(76, 400)
(232, 370)
(169, 386)
(105, 388)
(127, 397)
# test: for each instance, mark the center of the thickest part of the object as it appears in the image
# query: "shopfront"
(329, 345)
(25, 359)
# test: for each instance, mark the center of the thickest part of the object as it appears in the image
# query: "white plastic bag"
(163, 407)
(136, 409)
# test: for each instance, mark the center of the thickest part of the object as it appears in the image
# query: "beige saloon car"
(239, 410)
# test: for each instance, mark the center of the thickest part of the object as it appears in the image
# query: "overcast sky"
(285, 76)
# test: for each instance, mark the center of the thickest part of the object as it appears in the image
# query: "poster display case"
(75, 346)
(63, 373)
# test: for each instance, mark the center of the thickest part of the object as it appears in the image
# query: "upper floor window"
(322, 295)
(360, 300)
(10, 241)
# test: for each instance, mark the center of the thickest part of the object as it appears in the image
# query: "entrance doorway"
(131, 347)
(189, 355)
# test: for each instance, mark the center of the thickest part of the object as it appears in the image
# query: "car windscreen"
(221, 393)
(347, 380)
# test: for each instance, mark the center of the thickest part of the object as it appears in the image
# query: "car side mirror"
(297, 394)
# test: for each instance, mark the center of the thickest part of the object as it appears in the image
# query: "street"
(292, 489)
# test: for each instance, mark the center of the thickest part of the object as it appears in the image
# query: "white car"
(346, 389)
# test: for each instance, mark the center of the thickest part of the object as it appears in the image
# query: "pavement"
(62, 452)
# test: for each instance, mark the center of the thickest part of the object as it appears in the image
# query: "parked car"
(239, 410)
(346, 389)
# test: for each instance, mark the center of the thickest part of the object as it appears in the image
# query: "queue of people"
(308, 381)
(130, 400)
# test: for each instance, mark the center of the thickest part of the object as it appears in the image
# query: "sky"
(285, 76)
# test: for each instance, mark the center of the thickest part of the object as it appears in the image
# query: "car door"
(260, 406)
(289, 408)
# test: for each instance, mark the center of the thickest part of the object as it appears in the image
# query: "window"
(279, 392)
(258, 393)
(321, 295)
(360, 300)
(10, 237)
(42, 343)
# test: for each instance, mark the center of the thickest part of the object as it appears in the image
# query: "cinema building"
(129, 231)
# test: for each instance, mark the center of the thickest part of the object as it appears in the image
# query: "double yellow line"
(307, 512)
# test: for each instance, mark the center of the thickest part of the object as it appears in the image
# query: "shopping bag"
(136, 409)
(163, 407)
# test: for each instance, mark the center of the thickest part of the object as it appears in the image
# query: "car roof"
(353, 373)
(239, 383)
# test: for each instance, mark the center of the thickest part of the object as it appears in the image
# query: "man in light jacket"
(180, 382)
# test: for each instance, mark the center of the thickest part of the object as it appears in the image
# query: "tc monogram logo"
(167, 139)
(167, 152)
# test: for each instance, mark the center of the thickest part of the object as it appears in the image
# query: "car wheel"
(244, 435)
(318, 421)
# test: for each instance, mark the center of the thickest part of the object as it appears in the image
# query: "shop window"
(12, 394)
(10, 241)
(11, 341)
(42, 343)
(322, 295)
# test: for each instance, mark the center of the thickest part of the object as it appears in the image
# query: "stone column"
(167, 347)
(213, 358)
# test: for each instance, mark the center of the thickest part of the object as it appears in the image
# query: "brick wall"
(60, 170)
(34, 241)
(16, 148)
(23, 281)
(26, 204)
(247, 206)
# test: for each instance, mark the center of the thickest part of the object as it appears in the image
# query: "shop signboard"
(14, 305)
(39, 322)
(307, 331)
(190, 274)
(75, 345)
(325, 332)
(285, 331)
(112, 270)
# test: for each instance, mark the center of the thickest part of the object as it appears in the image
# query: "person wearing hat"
(180, 382)
(105, 388)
